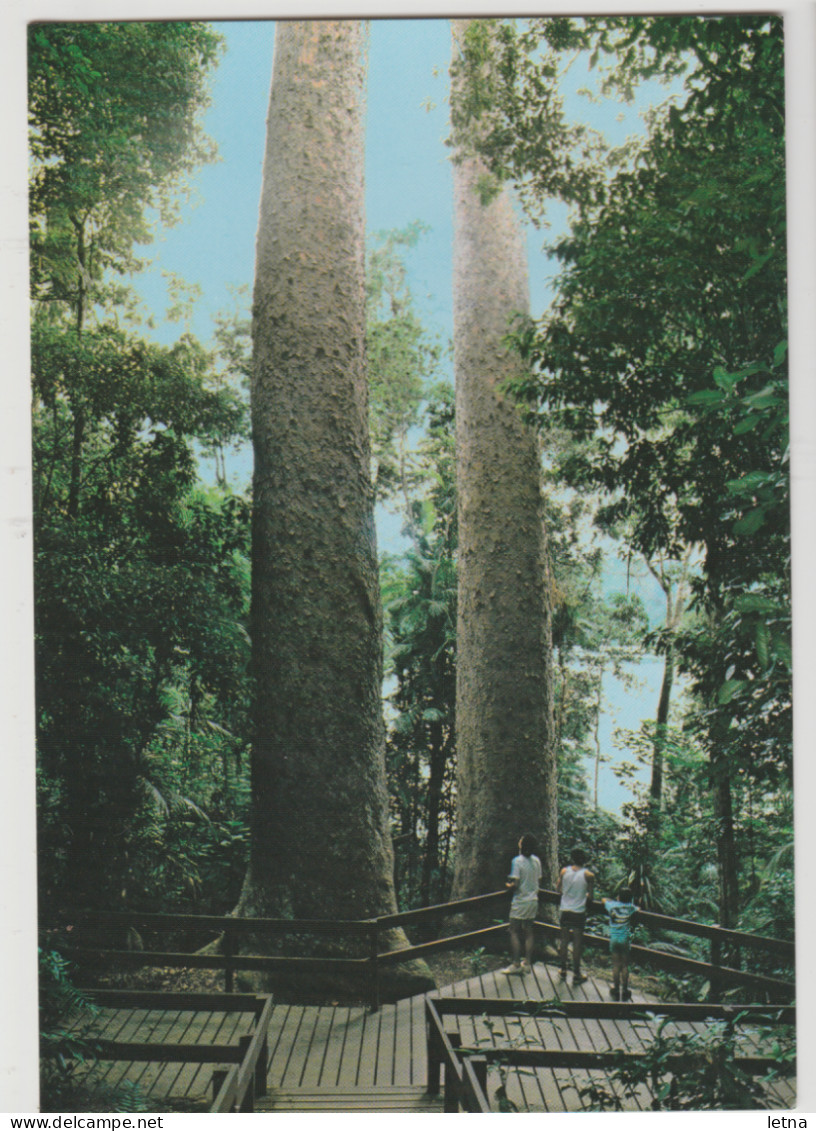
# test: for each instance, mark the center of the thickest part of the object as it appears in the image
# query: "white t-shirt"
(574, 889)
(527, 870)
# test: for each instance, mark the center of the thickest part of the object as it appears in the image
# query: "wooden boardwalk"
(325, 1058)
(187, 1086)
(344, 1058)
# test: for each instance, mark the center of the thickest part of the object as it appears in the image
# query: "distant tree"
(402, 361)
(139, 580)
(673, 579)
(420, 605)
(506, 776)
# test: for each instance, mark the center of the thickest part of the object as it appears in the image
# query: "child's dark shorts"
(619, 948)
(573, 919)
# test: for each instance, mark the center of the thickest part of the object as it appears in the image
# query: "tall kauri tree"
(320, 842)
(665, 354)
(506, 775)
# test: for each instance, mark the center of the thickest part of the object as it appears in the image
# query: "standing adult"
(575, 886)
(523, 881)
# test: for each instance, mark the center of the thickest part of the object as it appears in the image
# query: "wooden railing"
(231, 931)
(464, 1070)
(720, 940)
(366, 968)
(235, 1088)
(465, 1087)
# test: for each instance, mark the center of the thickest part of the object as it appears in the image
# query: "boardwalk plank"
(165, 1080)
(315, 1057)
(194, 1079)
(384, 1073)
(592, 1034)
(303, 1046)
(368, 1063)
(561, 1032)
(419, 1059)
(353, 1028)
(284, 1048)
(332, 1046)
(276, 1027)
(528, 1088)
(181, 1034)
(395, 1099)
(404, 1049)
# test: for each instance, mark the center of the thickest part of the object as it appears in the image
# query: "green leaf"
(706, 397)
(756, 603)
(729, 690)
(758, 264)
(723, 380)
(782, 649)
(750, 523)
(747, 425)
(765, 398)
(751, 482)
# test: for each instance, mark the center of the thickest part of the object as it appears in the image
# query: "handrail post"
(229, 951)
(453, 1085)
(433, 1051)
(248, 1099)
(218, 1078)
(260, 1069)
(714, 981)
(479, 1066)
(374, 946)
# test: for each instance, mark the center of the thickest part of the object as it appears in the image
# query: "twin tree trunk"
(506, 771)
(320, 844)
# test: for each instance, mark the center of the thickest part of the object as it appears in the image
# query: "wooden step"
(405, 1099)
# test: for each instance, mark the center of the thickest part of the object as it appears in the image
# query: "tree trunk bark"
(320, 839)
(726, 844)
(506, 777)
(675, 607)
(661, 722)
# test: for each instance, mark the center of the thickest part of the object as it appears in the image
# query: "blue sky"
(408, 177)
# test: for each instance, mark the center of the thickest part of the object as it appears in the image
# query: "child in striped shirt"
(621, 912)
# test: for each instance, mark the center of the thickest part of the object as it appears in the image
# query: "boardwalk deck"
(344, 1058)
(336, 1056)
(182, 1085)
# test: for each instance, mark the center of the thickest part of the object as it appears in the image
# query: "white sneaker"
(513, 968)
(525, 966)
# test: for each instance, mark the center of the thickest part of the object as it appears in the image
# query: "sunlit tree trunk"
(675, 594)
(320, 841)
(506, 774)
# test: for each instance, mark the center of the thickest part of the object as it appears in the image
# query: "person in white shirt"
(575, 885)
(523, 881)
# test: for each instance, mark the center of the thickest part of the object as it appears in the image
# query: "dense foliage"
(711, 1078)
(140, 572)
(663, 357)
